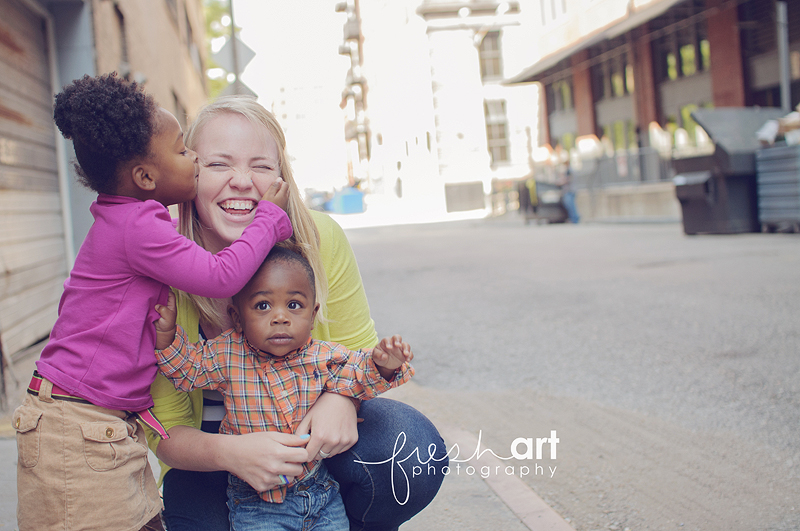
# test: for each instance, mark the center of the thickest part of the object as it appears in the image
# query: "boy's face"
(276, 310)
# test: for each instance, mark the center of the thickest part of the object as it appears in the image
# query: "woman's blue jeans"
(197, 500)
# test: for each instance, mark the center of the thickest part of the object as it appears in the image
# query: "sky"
(295, 42)
(296, 45)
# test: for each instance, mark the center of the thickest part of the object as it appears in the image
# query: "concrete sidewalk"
(466, 502)
(469, 502)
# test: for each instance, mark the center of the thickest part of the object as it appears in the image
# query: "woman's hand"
(332, 423)
(261, 458)
(257, 458)
(278, 193)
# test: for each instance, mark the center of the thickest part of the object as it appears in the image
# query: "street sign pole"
(234, 52)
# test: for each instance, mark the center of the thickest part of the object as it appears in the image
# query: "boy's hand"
(278, 193)
(165, 325)
(390, 354)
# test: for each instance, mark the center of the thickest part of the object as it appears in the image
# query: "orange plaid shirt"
(267, 393)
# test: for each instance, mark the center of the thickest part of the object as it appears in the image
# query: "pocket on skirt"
(26, 423)
(108, 445)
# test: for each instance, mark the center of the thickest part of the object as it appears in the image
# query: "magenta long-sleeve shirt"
(102, 345)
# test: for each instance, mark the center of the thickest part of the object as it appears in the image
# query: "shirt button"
(109, 432)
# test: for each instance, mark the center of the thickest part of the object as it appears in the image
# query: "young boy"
(270, 373)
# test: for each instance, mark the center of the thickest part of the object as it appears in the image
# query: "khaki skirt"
(81, 467)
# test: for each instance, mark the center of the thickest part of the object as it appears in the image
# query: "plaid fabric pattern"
(266, 393)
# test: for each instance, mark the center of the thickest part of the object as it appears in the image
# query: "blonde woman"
(242, 150)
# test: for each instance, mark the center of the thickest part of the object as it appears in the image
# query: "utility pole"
(234, 52)
(783, 55)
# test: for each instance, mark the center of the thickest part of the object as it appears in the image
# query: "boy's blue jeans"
(312, 504)
(197, 500)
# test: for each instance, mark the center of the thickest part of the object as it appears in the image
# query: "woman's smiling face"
(238, 161)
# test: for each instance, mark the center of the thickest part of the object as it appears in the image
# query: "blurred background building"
(427, 115)
(45, 213)
(620, 80)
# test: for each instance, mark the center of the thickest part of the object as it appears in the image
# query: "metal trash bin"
(717, 192)
(778, 177)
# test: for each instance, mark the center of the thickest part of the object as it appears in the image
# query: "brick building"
(612, 67)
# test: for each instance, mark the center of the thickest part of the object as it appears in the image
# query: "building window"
(613, 78)
(629, 81)
(621, 134)
(552, 10)
(705, 55)
(172, 5)
(496, 130)
(124, 62)
(194, 53)
(180, 111)
(558, 96)
(682, 53)
(490, 56)
(688, 60)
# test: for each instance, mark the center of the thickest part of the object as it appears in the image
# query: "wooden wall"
(32, 247)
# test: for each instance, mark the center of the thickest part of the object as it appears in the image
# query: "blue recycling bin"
(346, 201)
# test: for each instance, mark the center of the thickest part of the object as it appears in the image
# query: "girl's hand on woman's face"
(278, 193)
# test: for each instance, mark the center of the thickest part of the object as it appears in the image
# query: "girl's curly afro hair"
(110, 121)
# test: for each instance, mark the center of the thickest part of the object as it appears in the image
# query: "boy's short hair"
(286, 255)
(110, 121)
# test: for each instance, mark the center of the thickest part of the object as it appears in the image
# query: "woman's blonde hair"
(305, 238)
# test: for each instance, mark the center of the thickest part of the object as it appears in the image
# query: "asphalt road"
(670, 363)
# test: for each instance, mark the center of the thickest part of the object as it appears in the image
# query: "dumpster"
(718, 193)
(541, 201)
(778, 178)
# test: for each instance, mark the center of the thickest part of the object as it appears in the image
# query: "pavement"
(470, 500)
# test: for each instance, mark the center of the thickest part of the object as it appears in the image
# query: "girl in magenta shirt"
(82, 456)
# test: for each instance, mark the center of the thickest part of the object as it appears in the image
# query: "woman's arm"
(257, 458)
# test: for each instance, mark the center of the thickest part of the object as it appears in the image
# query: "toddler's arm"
(390, 354)
(359, 374)
(189, 365)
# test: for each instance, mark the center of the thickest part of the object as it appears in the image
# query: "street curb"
(526, 505)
